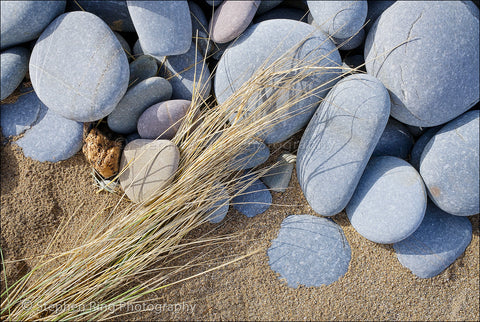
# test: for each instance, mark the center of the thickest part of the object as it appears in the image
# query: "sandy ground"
(36, 197)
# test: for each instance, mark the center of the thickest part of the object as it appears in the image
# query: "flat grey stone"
(14, 66)
(339, 141)
(419, 146)
(449, 166)
(431, 76)
(19, 116)
(164, 27)
(389, 202)
(162, 120)
(52, 137)
(231, 18)
(22, 21)
(254, 200)
(152, 167)
(113, 12)
(142, 68)
(437, 243)
(220, 209)
(281, 13)
(395, 141)
(86, 75)
(350, 43)
(254, 154)
(138, 98)
(187, 71)
(265, 42)
(339, 19)
(278, 177)
(310, 251)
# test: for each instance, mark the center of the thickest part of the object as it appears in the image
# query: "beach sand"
(36, 197)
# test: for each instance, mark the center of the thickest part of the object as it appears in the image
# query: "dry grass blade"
(131, 244)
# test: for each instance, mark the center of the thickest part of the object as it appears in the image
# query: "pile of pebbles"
(394, 141)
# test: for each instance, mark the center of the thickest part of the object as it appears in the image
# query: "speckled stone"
(268, 41)
(389, 202)
(220, 209)
(419, 146)
(395, 141)
(113, 12)
(433, 77)
(282, 13)
(73, 80)
(437, 243)
(255, 154)
(142, 68)
(231, 18)
(22, 21)
(310, 251)
(164, 27)
(339, 141)
(340, 19)
(185, 71)
(278, 177)
(350, 43)
(52, 137)
(138, 98)
(162, 120)
(254, 200)
(19, 116)
(449, 166)
(14, 66)
(152, 166)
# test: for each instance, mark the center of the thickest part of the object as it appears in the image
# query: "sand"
(36, 197)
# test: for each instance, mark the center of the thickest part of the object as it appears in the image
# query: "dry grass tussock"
(131, 249)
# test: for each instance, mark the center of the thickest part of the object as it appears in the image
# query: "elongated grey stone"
(14, 66)
(339, 141)
(310, 251)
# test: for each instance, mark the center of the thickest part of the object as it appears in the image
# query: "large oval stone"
(231, 18)
(78, 67)
(260, 45)
(310, 251)
(449, 166)
(431, 73)
(124, 117)
(23, 21)
(437, 243)
(339, 141)
(162, 120)
(164, 27)
(14, 66)
(339, 19)
(152, 166)
(389, 202)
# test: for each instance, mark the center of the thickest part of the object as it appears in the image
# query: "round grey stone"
(310, 251)
(437, 243)
(142, 68)
(395, 141)
(339, 141)
(22, 21)
(52, 137)
(350, 42)
(77, 74)
(265, 42)
(14, 66)
(431, 72)
(164, 27)
(389, 202)
(449, 166)
(339, 19)
(138, 98)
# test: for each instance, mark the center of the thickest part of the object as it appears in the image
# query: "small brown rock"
(103, 150)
